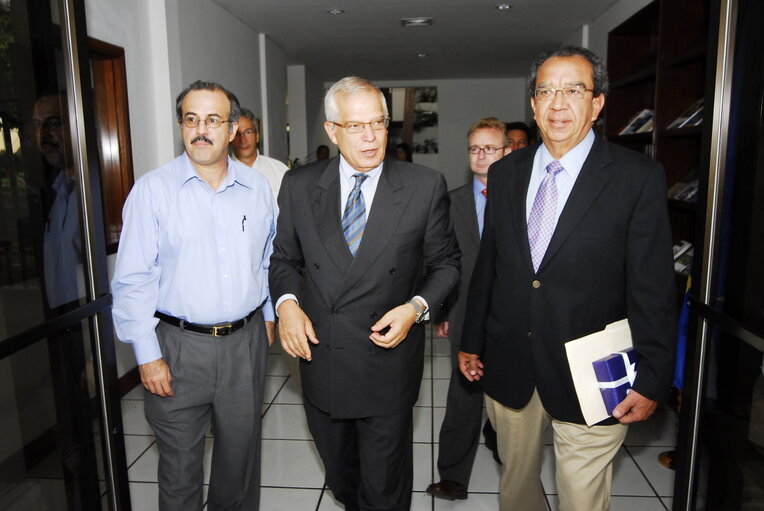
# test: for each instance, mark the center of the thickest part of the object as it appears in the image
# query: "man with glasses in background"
(576, 237)
(460, 431)
(191, 295)
(364, 248)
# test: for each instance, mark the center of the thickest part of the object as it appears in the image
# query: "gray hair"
(233, 101)
(347, 87)
(599, 71)
(246, 112)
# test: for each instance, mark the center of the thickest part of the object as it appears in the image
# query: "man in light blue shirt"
(191, 295)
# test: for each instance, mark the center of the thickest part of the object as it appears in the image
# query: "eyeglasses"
(489, 149)
(358, 127)
(212, 122)
(572, 93)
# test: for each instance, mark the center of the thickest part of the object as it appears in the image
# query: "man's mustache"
(202, 138)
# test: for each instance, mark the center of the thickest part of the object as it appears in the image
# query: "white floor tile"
(135, 445)
(474, 502)
(133, 419)
(427, 372)
(273, 385)
(622, 503)
(291, 463)
(328, 503)
(438, 414)
(668, 502)
(277, 365)
(422, 424)
(285, 422)
(439, 392)
(137, 393)
(441, 347)
(420, 501)
(291, 393)
(144, 496)
(288, 499)
(660, 430)
(660, 477)
(441, 367)
(425, 393)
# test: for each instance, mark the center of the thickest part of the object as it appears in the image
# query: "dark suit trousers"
(460, 431)
(217, 380)
(369, 462)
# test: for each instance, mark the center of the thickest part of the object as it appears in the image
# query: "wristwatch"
(419, 310)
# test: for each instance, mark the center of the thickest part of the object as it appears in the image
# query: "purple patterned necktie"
(543, 214)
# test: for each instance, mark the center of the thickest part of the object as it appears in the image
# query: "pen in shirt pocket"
(243, 219)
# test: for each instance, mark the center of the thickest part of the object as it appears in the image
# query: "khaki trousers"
(583, 456)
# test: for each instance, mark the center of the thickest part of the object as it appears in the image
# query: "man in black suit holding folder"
(576, 237)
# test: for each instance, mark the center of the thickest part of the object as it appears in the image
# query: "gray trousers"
(218, 381)
(460, 431)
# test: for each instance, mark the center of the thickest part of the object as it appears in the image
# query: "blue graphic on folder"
(615, 376)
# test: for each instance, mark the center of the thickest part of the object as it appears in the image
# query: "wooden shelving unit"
(657, 60)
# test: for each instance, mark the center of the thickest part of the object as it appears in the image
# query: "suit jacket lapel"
(387, 210)
(588, 186)
(325, 203)
(467, 211)
(518, 190)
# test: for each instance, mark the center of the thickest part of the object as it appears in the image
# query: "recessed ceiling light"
(503, 7)
(335, 12)
(421, 55)
(417, 22)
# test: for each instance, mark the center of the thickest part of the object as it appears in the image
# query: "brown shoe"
(448, 490)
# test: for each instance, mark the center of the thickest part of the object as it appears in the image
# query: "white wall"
(273, 71)
(594, 34)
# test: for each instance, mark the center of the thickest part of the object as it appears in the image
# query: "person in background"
(322, 152)
(244, 147)
(518, 135)
(460, 431)
(403, 152)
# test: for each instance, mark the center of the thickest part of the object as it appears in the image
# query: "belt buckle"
(221, 330)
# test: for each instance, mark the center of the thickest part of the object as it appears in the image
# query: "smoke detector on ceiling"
(417, 22)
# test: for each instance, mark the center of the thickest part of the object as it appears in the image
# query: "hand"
(634, 408)
(270, 330)
(470, 366)
(156, 377)
(399, 320)
(295, 330)
(441, 329)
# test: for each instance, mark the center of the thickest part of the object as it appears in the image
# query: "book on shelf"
(642, 122)
(684, 191)
(693, 116)
(683, 253)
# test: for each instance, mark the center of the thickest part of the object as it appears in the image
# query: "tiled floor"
(292, 474)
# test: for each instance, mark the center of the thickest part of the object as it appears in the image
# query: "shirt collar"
(346, 171)
(573, 160)
(234, 173)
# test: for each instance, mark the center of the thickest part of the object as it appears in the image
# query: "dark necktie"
(543, 214)
(354, 217)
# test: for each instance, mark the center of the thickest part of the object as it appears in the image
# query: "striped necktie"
(354, 217)
(543, 216)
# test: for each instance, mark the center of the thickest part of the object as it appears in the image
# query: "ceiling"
(468, 38)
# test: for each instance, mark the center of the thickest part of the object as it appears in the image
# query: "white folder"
(585, 350)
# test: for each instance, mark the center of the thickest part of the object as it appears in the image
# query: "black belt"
(217, 330)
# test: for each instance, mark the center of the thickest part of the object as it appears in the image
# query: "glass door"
(722, 425)
(60, 427)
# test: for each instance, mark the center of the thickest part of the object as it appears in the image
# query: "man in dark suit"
(460, 431)
(364, 247)
(576, 237)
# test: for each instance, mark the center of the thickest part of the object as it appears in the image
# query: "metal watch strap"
(419, 310)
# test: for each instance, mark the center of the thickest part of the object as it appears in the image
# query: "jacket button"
(335, 311)
(372, 350)
(536, 284)
(530, 334)
(373, 315)
(392, 271)
(329, 347)
(315, 265)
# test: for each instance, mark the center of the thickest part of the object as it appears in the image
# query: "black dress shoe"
(449, 490)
